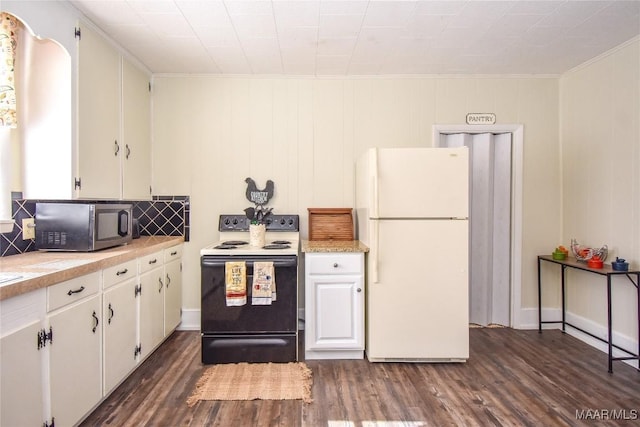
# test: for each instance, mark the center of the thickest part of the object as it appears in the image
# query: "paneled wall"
(210, 133)
(600, 143)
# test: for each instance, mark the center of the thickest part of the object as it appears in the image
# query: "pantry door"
(493, 299)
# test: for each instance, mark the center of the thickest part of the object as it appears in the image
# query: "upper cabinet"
(114, 154)
(136, 129)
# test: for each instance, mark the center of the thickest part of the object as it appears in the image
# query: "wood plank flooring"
(513, 378)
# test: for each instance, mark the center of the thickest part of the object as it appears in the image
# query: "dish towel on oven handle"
(235, 273)
(263, 289)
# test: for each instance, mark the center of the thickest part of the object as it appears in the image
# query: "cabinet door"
(136, 124)
(21, 378)
(99, 144)
(151, 310)
(119, 329)
(75, 361)
(173, 295)
(334, 304)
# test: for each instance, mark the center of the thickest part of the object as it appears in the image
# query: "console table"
(606, 271)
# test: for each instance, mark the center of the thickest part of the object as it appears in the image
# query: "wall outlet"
(28, 228)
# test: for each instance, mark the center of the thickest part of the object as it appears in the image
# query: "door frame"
(517, 160)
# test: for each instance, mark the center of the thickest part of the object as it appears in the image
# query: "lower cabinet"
(173, 288)
(151, 302)
(119, 308)
(21, 378)
(64, 348)
(334, 305)
(75, 360)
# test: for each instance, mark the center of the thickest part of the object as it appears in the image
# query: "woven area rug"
(250, 381)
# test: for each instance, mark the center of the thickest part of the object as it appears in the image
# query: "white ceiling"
(360, 37)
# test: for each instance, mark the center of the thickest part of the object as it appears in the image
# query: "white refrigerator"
(412, 209)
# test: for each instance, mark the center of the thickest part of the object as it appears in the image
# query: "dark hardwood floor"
(512, 378)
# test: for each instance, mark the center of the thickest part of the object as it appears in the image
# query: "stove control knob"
(235, 221)
(290, 221)
(226, 221)
(282, 221)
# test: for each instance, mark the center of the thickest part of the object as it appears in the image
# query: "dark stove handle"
(219, 261)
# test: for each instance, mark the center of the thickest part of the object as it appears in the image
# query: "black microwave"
(82, 226)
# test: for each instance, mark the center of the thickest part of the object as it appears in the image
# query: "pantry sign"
(481, 119)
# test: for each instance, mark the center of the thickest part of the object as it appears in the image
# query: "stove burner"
(235, 243)
(276, 246)
(281, 242)
(225, 246)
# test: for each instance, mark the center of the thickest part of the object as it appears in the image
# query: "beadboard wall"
(211, 132)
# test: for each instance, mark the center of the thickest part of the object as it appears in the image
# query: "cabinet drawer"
(334, 263)
(119, 273)
(172, 253)
(151, 261)
(72, 290)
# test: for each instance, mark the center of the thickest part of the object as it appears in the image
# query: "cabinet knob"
(359, 290)
(335, 265)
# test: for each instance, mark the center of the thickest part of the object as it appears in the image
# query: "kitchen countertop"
(40, 269)
(333, 246)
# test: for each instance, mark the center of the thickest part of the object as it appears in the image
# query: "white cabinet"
(75, 351)
(161, 296)
(99, 142)
(21, 385)
(119, 311)
(334, 305)
(66, 347)
(114, 137)
(151, 269)
(136, 133)
(173, 288)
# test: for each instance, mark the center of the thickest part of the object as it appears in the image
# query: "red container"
(595, 262)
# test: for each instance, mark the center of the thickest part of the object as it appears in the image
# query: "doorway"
(495, 218)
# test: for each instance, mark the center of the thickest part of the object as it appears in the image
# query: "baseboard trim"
(529, 318)
(190, 320)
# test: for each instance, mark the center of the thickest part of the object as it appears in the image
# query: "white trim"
(357, 76)
(601, 56)
(517, 160)
(529, 320)
(190, 320)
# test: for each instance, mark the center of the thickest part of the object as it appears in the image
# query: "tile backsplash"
(161, 216)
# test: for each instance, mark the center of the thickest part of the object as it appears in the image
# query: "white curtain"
(490, 225)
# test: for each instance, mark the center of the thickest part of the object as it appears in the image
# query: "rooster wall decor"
(259, 197)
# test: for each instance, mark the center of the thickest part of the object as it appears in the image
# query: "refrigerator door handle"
(375, 239)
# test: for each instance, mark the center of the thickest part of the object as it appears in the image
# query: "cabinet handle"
(117, 148)
(121, 272)
(77, 291)
(153, 261)
(128, 150)
(111, 313)
(161, 284)
(174, 253)
(168, 280)
(97, 322)
(335, 265)
(359, 290)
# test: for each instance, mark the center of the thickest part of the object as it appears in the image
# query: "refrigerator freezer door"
(421, 183)
(419, 309)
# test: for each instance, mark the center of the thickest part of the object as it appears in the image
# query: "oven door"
(280, 317)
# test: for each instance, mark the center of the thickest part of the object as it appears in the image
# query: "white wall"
(600, 144)
(304, 133)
